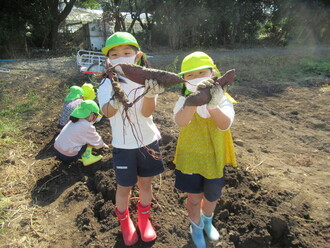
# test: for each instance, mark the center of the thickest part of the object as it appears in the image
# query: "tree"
(58, 10)
(112, 14)
(34, 23)
(299, 21)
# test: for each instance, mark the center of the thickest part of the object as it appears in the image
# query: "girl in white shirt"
(134, 136)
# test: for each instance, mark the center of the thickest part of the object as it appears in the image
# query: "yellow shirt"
(204, 149)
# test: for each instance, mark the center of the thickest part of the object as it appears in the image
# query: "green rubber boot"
(88, 158)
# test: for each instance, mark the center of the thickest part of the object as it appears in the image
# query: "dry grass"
(16, 211)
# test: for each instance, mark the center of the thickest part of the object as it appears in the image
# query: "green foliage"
(173, 66)
(175, 23)
(299, 22)
(89, 4)
(316, 67)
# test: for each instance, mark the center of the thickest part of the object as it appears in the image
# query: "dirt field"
(277, 197)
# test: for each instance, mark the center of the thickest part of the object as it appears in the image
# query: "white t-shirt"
(74, 135)
(225, 105)
(133, 132)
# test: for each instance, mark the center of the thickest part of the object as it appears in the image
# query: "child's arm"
(220, 118)
(184, 115)
(104, 94)
(148, 106)
(92, 137)
(110, 108)
(152, 89)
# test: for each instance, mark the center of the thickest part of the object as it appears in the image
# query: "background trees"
(175, 23)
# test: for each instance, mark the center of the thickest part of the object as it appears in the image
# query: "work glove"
(152, 88)
(216, 95)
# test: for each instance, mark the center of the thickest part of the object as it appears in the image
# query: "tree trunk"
(57, 18)
(54, 36)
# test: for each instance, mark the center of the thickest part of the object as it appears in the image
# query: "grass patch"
(7, 126)
(320, 67)
(29, 104)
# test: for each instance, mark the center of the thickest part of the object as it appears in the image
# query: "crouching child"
(79, 136)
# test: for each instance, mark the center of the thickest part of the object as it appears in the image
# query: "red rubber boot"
(146, 229)
(127, 228)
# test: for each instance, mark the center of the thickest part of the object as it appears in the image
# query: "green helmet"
(85, 109)
(196, 61)
(119, 38)
(75, 93)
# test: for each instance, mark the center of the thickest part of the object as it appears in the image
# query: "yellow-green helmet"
(119, 38)
(85, 109)
(196, 61)
(89, 93)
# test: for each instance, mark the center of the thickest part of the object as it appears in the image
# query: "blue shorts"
(131, 163)
(195, 184)
(68, 159)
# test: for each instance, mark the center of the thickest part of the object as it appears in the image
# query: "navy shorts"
(195, 184)
(68, 159)
(131, 163)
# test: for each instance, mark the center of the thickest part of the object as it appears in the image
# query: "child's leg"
(194, 206)
(122, 197)
(212, 192)
(197, 225)
(126, 225)
(145, 191)
(144, 205)
(207, 217)
(208, 207)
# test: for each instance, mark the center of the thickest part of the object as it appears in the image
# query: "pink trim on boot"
(127, 227)
(146, 229)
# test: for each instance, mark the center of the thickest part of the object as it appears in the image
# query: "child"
(89, 94)
(134, 135)
(79, 136)
(71, 101)
(204, 146)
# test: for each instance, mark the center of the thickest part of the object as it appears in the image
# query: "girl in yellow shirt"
(204, 146)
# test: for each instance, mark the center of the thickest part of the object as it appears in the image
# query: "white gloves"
(152, 88)
(216, 96)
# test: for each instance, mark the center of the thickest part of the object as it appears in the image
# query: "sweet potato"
(227, 78)
(202, 95)
(139, 74)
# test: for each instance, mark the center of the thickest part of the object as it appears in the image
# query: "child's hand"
(216, 94)
(206, 83)
(152, 88)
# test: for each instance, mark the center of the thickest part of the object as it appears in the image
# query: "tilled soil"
(278, 196)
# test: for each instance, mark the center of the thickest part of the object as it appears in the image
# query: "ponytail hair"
(74, 119)
(143, 60)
